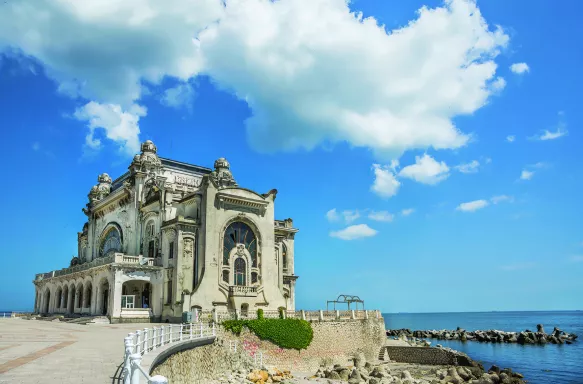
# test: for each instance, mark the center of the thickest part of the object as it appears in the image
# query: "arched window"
(240, 271)
(150, 229)
(240, 233)
(284, 256)
(110, 242)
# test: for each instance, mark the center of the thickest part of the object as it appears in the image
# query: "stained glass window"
(240, 233)
(110, 243)
(240, 271)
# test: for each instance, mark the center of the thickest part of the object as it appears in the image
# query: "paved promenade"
(33, 351)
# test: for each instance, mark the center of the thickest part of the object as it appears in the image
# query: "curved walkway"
(34, 351)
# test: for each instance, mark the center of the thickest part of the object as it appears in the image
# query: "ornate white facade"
(168, 237)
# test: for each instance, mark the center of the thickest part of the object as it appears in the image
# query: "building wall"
(334, 342)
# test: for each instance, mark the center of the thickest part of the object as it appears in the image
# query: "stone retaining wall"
(201, 364)
(426, 356)
(334, 342)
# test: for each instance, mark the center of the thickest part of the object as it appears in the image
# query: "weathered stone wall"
(426, 355)
(201, 364)
(334, 342)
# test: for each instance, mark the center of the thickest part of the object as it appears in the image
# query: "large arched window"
(110, 242)
(240, 271)
(240, 233)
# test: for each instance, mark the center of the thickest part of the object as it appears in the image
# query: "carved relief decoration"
(188, 248)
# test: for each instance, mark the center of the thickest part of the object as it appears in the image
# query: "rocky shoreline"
(540, 337)
(363, 372)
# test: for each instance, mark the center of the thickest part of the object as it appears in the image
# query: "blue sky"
(431, 157)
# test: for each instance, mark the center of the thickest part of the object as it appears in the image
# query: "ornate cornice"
(239, 203)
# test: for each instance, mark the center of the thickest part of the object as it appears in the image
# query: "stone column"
(115, 294)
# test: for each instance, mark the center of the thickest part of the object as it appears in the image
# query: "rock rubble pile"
(557, 336)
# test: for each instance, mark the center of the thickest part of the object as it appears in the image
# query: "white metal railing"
(149, 339)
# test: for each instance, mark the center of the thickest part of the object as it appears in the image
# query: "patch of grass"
(285, 333)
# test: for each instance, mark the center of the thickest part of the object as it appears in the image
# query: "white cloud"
(354, 232)
(519, 68)
(182, 95)
(510, 138)
(119, 126)
(548, 135)
(381, 216)
(332, 215)
(501, 199)
(518, 266)
(350, 216)
(426, 170)
(310, 70)
(472, 206)
(499, 84)
(471, 167)
(526, 175)
(407, 212)
(385, 183)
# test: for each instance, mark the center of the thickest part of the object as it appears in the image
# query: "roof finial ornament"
(222, 175)
(147, 161)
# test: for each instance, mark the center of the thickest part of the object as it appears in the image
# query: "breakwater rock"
(374, 373)
(557, 336)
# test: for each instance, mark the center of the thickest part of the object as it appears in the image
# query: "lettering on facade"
(187, 181)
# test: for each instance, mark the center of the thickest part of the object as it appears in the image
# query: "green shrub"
(285, 333)
(260, 314)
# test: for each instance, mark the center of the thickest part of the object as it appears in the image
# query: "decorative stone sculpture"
(100, 190)
(148, 160)
(222, 175)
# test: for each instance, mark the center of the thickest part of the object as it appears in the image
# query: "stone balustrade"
(119, 258)
(220, 316)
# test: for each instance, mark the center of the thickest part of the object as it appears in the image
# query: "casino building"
(168, 237)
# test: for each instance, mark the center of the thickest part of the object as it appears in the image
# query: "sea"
(546, 364)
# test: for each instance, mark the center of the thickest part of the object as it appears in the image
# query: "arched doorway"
(87, 295)
(71, 300)
(66, 298)
(47, 301)
(104, 298)
(58, 299)
(135, 294)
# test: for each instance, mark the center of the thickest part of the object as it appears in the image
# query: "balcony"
(122, 258)
(242, 291)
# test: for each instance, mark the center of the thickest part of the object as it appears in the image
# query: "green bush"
(285, 333)
(260, 314)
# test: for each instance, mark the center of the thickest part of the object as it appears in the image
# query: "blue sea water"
(539, 364)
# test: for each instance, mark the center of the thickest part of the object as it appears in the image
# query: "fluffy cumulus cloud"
(426, 170)
(472, 206)
(407, 211)
(332, 215)
(348, 215)
(385, 183)
(381, 216)
(118, 125)
(526, 174)
(510, 138)
(471, 167)
(354, 232)
(519, 68)
(312, 71)
(501, 199)
(179, 96)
